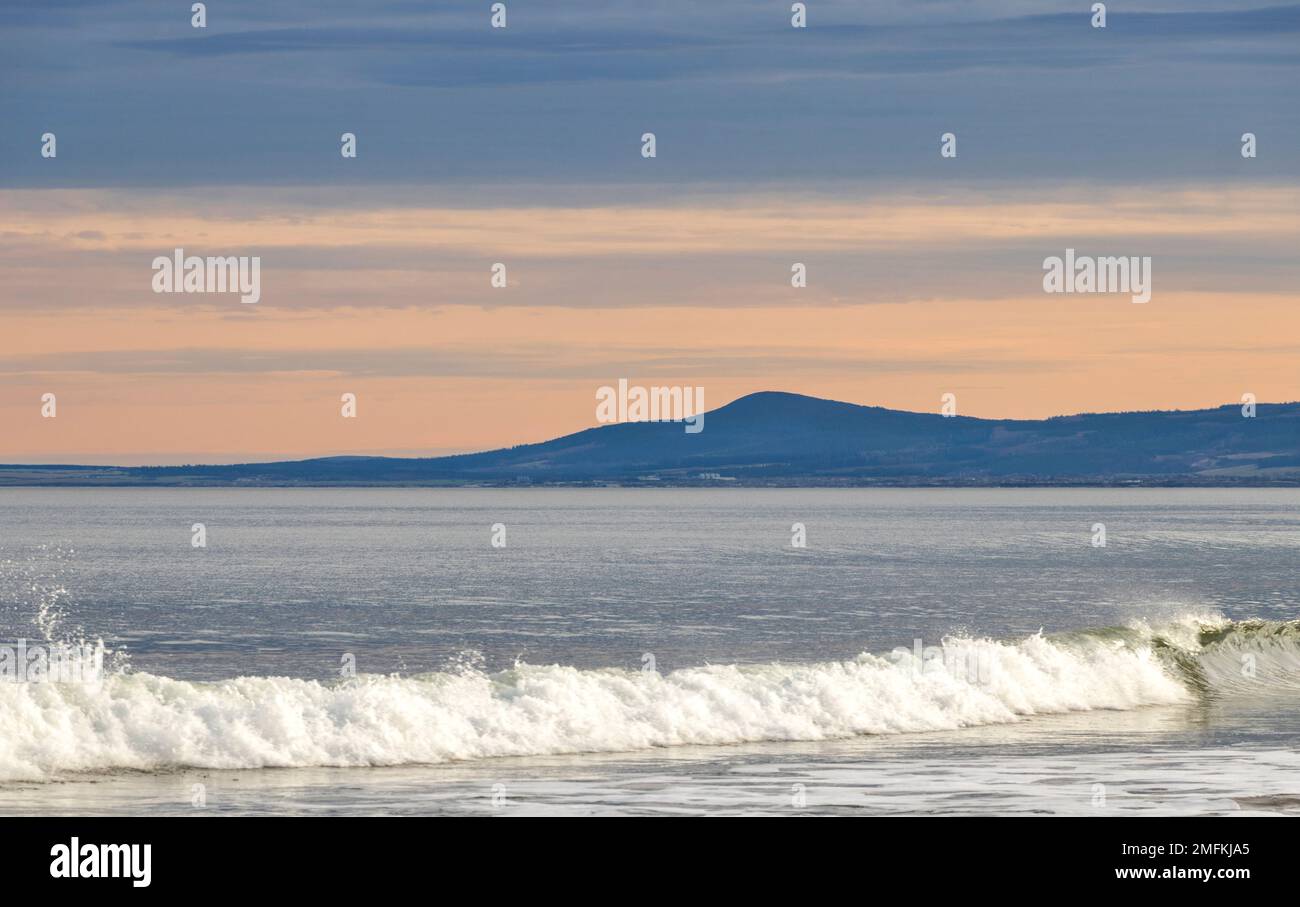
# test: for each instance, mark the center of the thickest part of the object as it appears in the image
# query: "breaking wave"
(142, 721)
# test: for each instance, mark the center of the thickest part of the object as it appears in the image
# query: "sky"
(522, 145)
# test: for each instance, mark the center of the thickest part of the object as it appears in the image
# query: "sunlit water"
(655, 651)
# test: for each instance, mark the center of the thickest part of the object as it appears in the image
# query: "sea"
(649, 651)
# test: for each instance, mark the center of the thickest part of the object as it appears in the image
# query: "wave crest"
(137, 720)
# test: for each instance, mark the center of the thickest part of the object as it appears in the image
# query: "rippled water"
(229, 656)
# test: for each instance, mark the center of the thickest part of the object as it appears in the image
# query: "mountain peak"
(776, 437)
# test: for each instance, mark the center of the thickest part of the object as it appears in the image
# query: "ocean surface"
(653, 651)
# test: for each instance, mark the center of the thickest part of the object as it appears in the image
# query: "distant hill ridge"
(775, 438)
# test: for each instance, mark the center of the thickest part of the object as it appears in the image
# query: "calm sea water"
(655, 650)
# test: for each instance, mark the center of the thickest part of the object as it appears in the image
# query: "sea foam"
(137, 720)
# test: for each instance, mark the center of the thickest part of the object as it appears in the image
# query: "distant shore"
(22, 477)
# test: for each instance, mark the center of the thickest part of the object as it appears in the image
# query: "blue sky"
(551, 105)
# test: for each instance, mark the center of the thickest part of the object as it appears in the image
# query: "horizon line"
(439, 456)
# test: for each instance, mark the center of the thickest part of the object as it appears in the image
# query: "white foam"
(145, 721)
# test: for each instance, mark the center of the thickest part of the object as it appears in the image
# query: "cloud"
(543, 362)
(715, 251)
(561, 97)
(746, 223)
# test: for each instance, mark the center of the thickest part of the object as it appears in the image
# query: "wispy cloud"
(438, 97)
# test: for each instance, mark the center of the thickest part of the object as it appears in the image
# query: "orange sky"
(909, 298)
